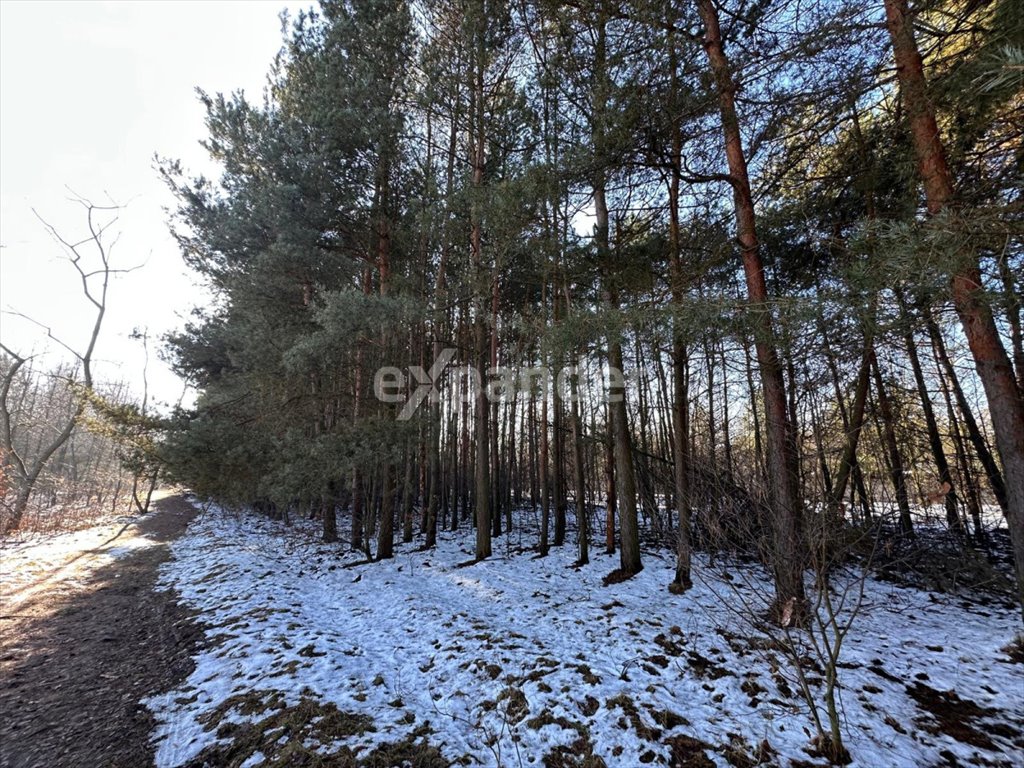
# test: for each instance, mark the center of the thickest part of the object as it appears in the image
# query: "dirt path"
(77, 657)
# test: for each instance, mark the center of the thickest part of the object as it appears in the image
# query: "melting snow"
(418, 636)
(35, 563)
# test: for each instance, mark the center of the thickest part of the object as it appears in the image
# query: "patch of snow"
(37, 562)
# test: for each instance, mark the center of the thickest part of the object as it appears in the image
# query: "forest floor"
(242, 642)
(316, 658)
(84, 637)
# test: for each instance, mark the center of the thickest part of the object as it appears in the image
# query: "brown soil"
(962, 719)
(79, 655)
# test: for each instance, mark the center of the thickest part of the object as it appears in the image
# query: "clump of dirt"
(588, 674)
(668, 645)
(544, 666)
(412, 751)
(959, 718)
(739, 754)
(516, 707)
(666, 718)
(632, 715)
(705, 667)
(753, 689)
(578, 754)
(1015, 650)
(658, 660)
(688, 752)
(246, 704)
(589, 706)
(280, 735)
(546, 717)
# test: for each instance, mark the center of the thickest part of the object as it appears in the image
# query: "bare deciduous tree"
(90, 258)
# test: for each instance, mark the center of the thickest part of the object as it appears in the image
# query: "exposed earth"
(82, 646)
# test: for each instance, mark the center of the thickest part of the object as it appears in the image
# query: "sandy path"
(82, 644)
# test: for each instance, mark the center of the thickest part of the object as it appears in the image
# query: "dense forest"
(740, 275)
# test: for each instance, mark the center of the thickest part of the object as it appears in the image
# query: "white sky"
(89, 91)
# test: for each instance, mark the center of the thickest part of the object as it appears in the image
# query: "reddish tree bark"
(1005, 403)
(788, 557)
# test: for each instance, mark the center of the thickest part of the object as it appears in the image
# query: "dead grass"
(578, 754)
(632, 717)
(296, 736)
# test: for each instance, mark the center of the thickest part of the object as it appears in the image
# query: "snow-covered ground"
(511, 658)
(32, 563)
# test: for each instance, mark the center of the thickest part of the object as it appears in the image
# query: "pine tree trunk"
(754, 415)
(709, 366)
(512, 465)
(611, 500)
(988, 462)
(932, 426)
(819, 448)
(558, 471)
(408, 495)
(681, 465)
(545, 483)
(558, 440)
(643, 464)
(465, 463)
(1005, 401)
(1013, 293)
(683, 579)
(482, 493)
(896, 470)
(848, 464)
(494, 418)
(388, 502)
(330, 519)
(726, 437)
(629, 534)
(372, 510)
(788, 554)
(967, 478)
(581, 492)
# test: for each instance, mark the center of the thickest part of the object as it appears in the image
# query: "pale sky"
(89, 91)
